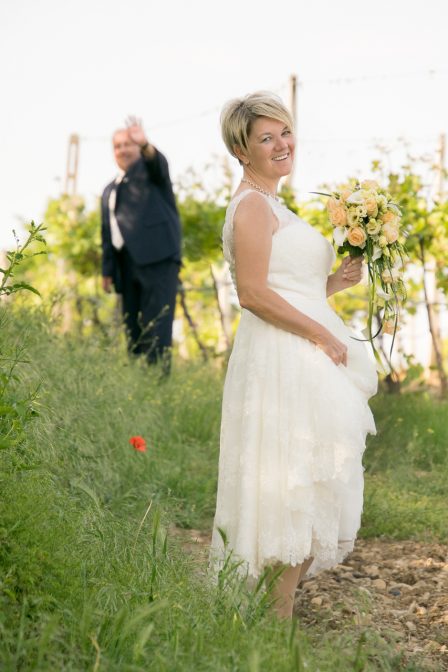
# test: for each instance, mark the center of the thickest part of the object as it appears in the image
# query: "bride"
(295, 413)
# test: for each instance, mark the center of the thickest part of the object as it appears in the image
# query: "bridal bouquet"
(367, 222)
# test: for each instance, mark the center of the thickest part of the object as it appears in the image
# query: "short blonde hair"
(239, 114)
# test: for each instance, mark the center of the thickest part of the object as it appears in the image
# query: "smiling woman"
(295, 413)
(260, 126)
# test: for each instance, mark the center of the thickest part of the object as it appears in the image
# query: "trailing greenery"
(93, 574)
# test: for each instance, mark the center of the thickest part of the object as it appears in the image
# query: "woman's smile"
(282, 157)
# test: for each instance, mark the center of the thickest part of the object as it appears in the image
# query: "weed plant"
(93, 575)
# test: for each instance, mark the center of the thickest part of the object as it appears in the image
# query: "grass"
(91, 579)
(407, 469)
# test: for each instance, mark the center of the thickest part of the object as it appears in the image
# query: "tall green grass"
(91, 577)
(407, 469)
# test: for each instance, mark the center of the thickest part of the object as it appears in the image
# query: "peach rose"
(390, 231)
(346, 193)
(356, 236)
(371, 206)
(389, 218)
(333, 203)
(338, 215)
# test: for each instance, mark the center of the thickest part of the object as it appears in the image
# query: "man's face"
(126, 152)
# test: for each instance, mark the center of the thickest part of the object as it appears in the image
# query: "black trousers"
(149, 300)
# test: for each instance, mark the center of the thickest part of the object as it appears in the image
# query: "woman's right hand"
(333, 348)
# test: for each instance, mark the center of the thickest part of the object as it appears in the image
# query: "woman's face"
(271, 147)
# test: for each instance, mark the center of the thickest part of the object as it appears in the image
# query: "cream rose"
(373, 227)
(352, 217)
(382, 241)
(361, 211)
(356, 236)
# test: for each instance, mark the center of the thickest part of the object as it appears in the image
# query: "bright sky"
(368, 72)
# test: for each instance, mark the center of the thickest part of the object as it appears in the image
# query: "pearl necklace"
(258, 188)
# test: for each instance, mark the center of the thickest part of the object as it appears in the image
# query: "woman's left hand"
(350, 271)
(348, 274)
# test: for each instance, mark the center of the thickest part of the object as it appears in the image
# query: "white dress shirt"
(117, 238)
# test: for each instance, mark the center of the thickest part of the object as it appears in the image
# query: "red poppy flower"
(139, 443)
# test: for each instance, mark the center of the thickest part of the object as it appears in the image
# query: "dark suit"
(145, 271)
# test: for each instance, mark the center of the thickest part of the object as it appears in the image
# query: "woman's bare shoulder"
(252, 206)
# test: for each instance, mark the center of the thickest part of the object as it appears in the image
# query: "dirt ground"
(398, 588)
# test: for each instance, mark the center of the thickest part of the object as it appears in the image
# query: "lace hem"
(324, 557)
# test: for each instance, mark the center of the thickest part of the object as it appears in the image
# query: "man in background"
(141, 240)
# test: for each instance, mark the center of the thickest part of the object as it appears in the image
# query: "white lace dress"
(293, 423)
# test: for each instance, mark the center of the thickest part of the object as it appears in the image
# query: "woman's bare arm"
(254, 224)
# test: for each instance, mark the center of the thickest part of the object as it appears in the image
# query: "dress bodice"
(301, 258)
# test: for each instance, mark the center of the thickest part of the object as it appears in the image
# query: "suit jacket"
(146, 215)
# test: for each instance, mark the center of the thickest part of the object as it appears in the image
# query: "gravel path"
(398, 588)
